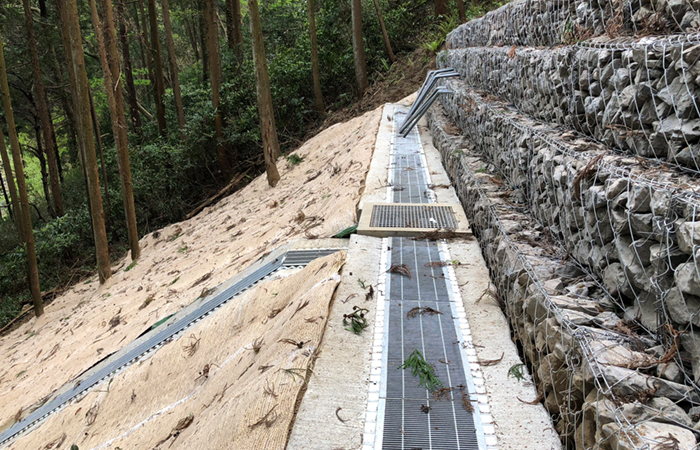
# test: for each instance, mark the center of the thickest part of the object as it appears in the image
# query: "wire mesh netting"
(552, 22)
(637, 96)
(595, 258)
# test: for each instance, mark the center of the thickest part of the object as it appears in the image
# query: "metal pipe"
(430, 82)
(424, 108)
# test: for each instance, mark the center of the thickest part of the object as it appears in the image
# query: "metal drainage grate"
(410, 216)
(303, 257)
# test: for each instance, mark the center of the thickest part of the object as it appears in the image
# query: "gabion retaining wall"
(553, 22)
(590, 367)
(640, 97)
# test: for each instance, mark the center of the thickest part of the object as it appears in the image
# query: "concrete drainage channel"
(265, 267)
(401, 413)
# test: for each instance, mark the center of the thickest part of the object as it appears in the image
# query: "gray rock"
(688, 236)
(681, 94)
(644, 310)
(641, 224)
(664, 259)
(607, 320)
(614, 186)
(670, 371)
(615, 280)
(683, 308)
(687, 278)
(691, 55)
(677, 8)
(627, 382)
(688, 156)
(691, 21)
(640, 199)
(634, 96)
(691, 343)
(660, 201)
(694, 413)
(647, 435)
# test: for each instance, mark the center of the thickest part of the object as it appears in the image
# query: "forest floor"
(315, 198)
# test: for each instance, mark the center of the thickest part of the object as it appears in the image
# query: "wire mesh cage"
(588, 291)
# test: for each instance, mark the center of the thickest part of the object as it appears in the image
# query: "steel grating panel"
(447, 425)
(427, 283)
(408, 178)
(406, 425)
(444, 427)
(305, 256)
(410, 216)
(291, 258)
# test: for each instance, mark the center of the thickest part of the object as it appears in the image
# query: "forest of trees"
(122, 116)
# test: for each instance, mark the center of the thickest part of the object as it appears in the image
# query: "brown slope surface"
(246, 398)
(182, 260)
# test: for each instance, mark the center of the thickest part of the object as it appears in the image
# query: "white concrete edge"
(376, 179)
(374, 421)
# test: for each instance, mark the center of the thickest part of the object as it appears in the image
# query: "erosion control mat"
(231, 381)
(316, 197)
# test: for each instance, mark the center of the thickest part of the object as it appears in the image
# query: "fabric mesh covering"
(247, 398)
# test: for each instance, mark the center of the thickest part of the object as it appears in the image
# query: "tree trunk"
(440, 9)
(71, 134)
(229, 24)
(128, 70)
(146, 45)
(203, 45)
(26, 221)
(235, 34)
(59, 165)
(43, 111)
(358, 48)
(72, 106)
(271, 147)
(100, 150)
(318, 96)
(212, 30)
(11, 186)
(39, 153)
(173, 68)
(7, 200)
(110, 68)
(384, 33)
(142, 46)
(192, 37)
(215, 74)
(462, 11)
(159, 89)
(81, 96)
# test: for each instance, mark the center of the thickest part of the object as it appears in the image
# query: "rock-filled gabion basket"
(553, 22)
(614, 366)
(638, 96)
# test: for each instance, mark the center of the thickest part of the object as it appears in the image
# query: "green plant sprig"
(421, 369)
(356, 320)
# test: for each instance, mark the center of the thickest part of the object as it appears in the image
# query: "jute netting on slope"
(317, 197)
(231, 381)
